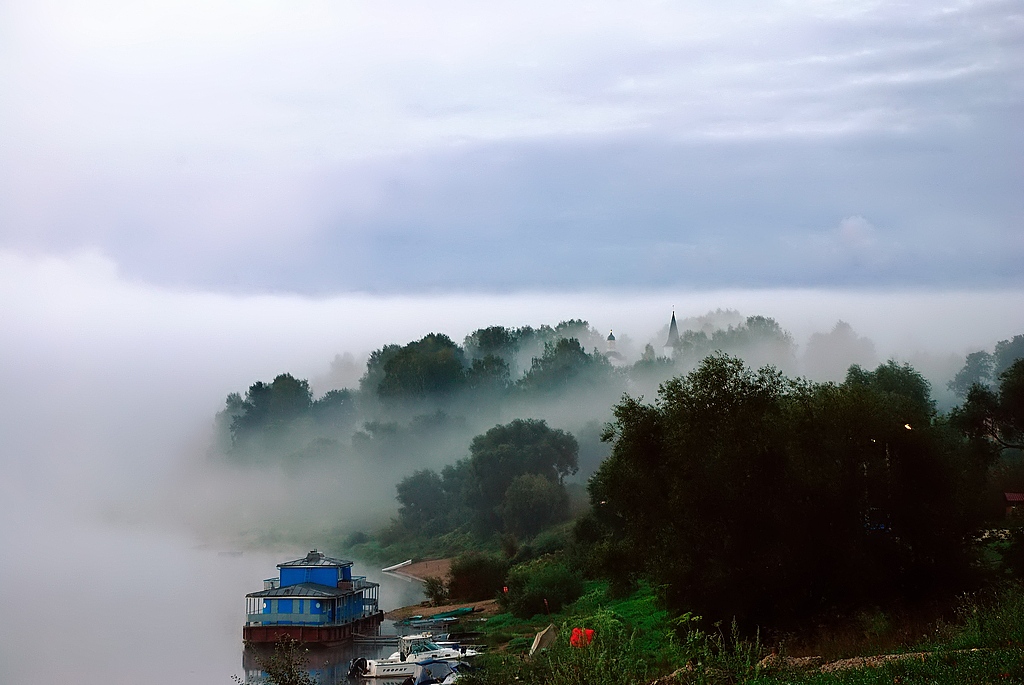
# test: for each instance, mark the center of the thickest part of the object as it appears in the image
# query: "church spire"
(673, 333)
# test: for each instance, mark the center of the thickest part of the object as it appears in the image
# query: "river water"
(85, 602)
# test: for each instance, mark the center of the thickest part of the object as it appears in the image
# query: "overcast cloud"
(329, 146)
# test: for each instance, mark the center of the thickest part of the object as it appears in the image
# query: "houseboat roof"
(311, 590)
(315, 558)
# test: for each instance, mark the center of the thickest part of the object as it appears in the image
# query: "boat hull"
(325, 635)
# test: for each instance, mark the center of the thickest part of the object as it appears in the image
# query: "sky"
(318, 148)
(199, 194)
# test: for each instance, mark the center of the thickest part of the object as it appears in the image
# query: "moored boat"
(316, 600)
(411, 649)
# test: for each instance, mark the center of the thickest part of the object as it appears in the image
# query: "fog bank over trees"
(415, 414)
(111, 385)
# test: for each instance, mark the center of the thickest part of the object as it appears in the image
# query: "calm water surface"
(88, 603)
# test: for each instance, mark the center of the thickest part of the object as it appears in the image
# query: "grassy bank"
(635, 642)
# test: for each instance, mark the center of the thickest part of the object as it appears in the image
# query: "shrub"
(474, 576)
(435, 590)
(540, 587)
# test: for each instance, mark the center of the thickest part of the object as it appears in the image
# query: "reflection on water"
(129, 599)
(329, 665)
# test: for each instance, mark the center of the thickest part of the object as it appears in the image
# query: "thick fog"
(115, 500)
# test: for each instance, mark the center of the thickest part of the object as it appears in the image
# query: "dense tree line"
(985, 368)
(511, 482)
(737, 489)
(745, 493)
(411, 395)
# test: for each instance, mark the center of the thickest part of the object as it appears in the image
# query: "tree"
(758, 340)
(531, 504)
(431, 366)
(995, 417)
(287, 665)
(489, 375)
(977, 370)
(564, 363)
(335, 407)
(268, 409)
(423, 500)
(983, 368)
(500, 456)
(1006, 353)
(496, 341)
(747, 494)
(371, 379)
(829, 355)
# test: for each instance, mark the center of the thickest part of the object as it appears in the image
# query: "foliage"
(422, 498)
(265, 419)
(335, 407)
(563, 364)
(433, 365)
(984, 368)
(540, 587)
(519, 447)
(269, 408)
(475, 576)
(759, 339)
(512, 481)
(532, 503)
(989, 618)
(746, 494)
(829, 355)
(489, 375)
(995, 417)
(436, 590)
(612, 658)
(287, 665)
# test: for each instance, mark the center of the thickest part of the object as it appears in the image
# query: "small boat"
(407, 562)
(436, 672)
(454, 613)
(411, 649)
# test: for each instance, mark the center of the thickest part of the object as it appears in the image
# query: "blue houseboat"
(315, 599)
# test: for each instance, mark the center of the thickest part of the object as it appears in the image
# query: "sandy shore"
(421, 570)
(487, 607)
(437, 568)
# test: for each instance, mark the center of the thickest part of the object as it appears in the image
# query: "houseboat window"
(284, 606)
(266, 606)
(315, 608)
(301, 607)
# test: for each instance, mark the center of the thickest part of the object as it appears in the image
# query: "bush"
(613, 658)
(532, 503)
(540, 587)
(474, 576)
(435, 590)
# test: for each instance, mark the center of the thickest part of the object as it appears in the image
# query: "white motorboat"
(411, 649)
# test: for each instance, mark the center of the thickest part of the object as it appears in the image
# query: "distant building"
(1013, 500)
(610, 353)
(673, 337)
(314, 599)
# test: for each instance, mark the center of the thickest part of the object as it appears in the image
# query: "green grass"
(637, 642)
(996, 666)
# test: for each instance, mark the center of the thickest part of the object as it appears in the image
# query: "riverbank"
(436, 568)
(426, 568)
(482, 609)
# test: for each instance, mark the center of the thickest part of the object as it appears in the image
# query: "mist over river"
(118, 531)
(91, 603)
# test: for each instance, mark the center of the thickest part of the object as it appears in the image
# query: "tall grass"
(624, 655)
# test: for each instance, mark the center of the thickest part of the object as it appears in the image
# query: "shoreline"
(421, 570)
